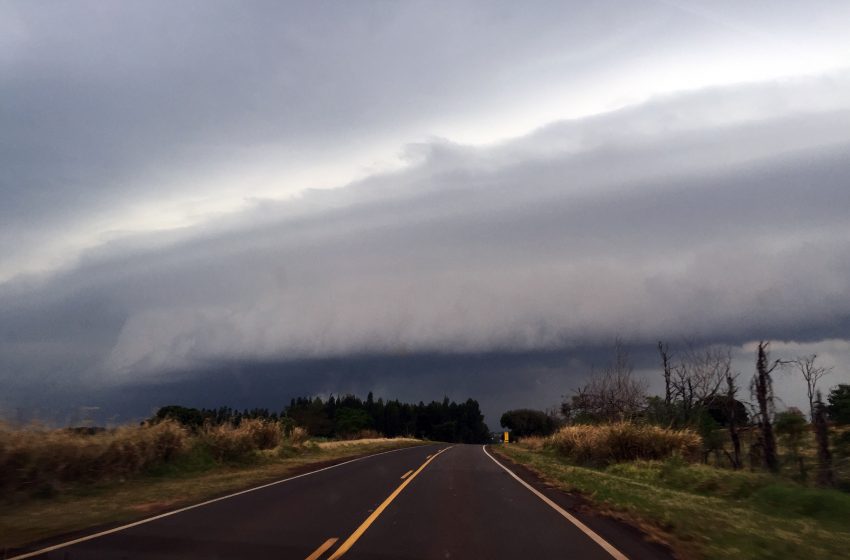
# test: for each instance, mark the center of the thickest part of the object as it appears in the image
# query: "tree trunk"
(764, 396)
(733, 421)
(665, 361)
(826, 476)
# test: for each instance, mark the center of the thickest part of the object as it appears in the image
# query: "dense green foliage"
(349, 415)
(526, 422)
(839, 404)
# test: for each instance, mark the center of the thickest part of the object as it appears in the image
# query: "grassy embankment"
(699, 510)
(55, 482)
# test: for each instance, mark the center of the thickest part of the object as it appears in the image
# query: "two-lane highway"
(429, 502)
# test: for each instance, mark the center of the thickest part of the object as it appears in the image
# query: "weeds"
(614, 443)
(37, 460)
(41, 462)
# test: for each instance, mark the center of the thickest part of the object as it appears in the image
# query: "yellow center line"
(405, 475)
(349, 542)
(322, 548)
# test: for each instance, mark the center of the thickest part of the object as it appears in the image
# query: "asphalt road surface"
(431, 502)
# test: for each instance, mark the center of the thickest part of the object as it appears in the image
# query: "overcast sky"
(415, 198)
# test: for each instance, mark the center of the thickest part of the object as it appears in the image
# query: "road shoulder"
(37, 524)
(632, 539)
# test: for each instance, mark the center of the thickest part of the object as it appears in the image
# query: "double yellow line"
(349, 542)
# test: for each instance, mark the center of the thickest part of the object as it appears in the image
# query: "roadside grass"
(706, 512)
(193, 477)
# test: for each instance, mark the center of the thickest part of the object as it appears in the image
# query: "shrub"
(229, 443)
(298, 435)
(624, 441)
(265, 434)
(35, 459)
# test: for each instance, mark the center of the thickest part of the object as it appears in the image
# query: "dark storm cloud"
(720, 213)
(643, 234)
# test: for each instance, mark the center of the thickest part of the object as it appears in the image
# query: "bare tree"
(811, 373)
(614, 394)
(762, 386)
(826, 476)
(665, 362)
(732, 413)
(698, 377)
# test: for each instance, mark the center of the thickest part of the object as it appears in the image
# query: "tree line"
(348, 415)
(703, 392)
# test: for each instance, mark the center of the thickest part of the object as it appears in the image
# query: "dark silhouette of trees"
(526, 422)
(348, 416)
(825, 476)
(839, 404)
(762, 387)
(736, 414)
(665, 363)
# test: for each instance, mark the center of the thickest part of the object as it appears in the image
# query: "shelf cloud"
(133, 253)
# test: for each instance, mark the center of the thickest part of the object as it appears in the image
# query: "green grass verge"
(705, 512)
(193, 478)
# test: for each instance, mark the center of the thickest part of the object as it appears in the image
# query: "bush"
(298, 435)
(613, 443)
(35, 459)
(265, 434)
(229, 443)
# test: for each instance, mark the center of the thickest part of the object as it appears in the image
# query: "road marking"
(405, 475)
(349, 542)
(187, 508)
(322, 548)
(608, 547)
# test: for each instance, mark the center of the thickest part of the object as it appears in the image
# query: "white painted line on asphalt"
(187, 508)
(410, 472)
(608, 547)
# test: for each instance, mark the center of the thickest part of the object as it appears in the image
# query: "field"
(58, 482)
(700, 510)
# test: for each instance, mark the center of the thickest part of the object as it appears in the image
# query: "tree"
(791, 426)
(762, 386)
(665, 363)
(698, 377)
(526, 422)
(839, 404)
(613, 394)
(191, 418)
(736, 413)
(826, 476)
(348, 421)
(811, 373)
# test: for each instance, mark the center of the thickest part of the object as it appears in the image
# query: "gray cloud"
(719, 212)
(649, 234)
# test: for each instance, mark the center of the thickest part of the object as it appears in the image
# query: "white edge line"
(608, 547)
(187, 508)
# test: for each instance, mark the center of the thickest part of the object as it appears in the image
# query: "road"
(430, 502)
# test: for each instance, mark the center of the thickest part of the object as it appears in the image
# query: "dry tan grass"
(534, 443)
(624, 441)
(365, 441)
(228, 443)
(38, 459)
(29, 520)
